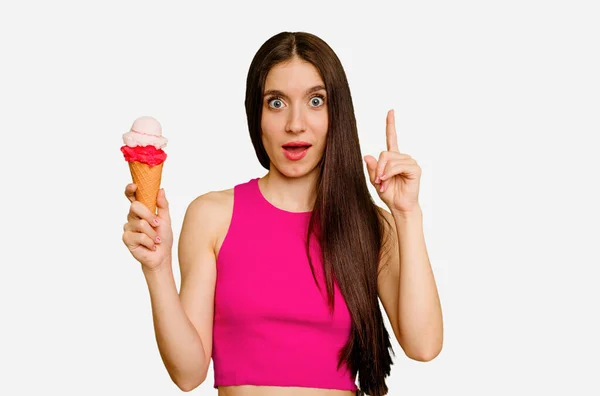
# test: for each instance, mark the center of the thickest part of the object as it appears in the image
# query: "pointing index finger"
(390, 132)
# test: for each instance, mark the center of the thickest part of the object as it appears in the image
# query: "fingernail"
(158, 239)
(154, 247)
(383, 177)
(381, 189)
(156, 221)
(377, 180)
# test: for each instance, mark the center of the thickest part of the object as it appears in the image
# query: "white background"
(497, 101)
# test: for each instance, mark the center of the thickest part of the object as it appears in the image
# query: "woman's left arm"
(407, 288)
(406, 283)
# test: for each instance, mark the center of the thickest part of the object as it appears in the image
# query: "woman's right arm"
(183, 322)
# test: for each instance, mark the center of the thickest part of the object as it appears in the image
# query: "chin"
(297, 170)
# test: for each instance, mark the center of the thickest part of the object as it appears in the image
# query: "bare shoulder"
(212, 211)
(212, 201)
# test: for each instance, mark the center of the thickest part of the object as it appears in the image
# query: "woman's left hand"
(396, 176)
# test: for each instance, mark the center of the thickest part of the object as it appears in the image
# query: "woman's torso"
(249, 390)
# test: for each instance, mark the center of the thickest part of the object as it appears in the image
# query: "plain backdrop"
(498, 101)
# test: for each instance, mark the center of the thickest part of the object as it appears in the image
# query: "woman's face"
(294, 112)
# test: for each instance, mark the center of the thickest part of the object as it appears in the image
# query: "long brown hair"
(345, 218)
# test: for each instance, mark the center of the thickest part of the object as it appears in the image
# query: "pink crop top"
(272, 325)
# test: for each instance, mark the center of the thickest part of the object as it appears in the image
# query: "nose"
(295, 122)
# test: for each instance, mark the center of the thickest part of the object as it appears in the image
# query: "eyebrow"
(283, 95)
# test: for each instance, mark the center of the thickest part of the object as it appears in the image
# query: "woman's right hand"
(149, 242)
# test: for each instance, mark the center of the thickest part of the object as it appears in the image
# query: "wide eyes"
(276, 102)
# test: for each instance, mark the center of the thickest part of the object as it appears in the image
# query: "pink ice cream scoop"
(145, 131)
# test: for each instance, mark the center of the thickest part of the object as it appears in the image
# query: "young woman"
(281, 275)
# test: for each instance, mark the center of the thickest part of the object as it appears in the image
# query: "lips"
(295, 151)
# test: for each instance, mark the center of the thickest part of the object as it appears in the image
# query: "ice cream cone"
(147, 180)
(143, 150)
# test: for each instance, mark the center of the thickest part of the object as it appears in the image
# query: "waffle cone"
(147, 180)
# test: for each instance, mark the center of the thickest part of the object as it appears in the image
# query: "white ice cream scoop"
(145, 131)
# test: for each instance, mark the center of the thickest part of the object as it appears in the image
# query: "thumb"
(371, 167)
(163, 206)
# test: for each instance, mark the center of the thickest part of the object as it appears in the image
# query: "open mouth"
(295, 151)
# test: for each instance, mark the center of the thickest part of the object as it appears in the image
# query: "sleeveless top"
(272, 325)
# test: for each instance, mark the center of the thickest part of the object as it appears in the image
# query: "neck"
(294, 194)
